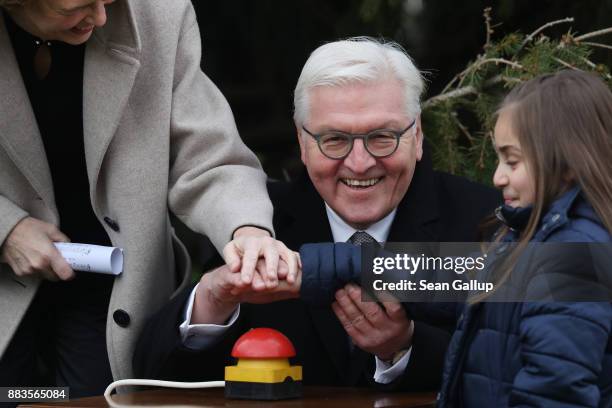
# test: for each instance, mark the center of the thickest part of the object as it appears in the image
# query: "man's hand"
(378, 331)
(29, 250)
(221, 290)
(249, 245)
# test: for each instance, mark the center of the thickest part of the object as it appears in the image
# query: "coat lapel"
(111, 65)
(308, 219)
(418, 212)
(19, 134)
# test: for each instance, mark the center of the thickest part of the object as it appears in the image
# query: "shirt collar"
(341, 231)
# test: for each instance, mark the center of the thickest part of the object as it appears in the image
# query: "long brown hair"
(563, 122)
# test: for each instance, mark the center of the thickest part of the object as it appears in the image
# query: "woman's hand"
(29, 250)
(249, 245)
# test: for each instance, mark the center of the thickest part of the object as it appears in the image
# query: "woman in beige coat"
(107, 124)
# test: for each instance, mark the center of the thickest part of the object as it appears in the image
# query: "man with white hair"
(368, 179)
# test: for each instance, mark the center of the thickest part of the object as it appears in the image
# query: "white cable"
(156, 383)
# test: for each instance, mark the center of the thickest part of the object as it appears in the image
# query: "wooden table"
(316, 397)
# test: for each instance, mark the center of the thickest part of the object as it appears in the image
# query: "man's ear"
(419, 138)
(299, 131)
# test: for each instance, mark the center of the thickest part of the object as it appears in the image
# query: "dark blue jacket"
(535, 354)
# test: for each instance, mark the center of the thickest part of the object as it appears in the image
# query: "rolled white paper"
(92, 258)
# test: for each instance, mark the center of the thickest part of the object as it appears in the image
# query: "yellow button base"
(273, 370)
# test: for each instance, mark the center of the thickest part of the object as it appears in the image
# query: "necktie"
(361, 237)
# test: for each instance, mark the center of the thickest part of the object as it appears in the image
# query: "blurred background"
(254, 50)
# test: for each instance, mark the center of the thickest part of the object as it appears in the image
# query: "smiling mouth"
(360, 184)
(82, 30)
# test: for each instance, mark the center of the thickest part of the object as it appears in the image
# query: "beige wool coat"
(159, 137)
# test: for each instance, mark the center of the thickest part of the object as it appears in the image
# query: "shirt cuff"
(201, 336)
(386, 373)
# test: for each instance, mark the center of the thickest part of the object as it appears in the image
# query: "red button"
(263, 343)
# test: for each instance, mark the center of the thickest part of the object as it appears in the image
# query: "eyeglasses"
(379, 143)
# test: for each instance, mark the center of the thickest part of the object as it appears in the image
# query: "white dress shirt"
(201, 336)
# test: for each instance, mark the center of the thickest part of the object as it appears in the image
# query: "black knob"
(121, 317)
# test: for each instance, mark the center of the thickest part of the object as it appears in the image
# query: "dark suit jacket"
(437, 207)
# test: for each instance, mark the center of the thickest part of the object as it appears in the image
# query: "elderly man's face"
(70, 21)
(361, 108)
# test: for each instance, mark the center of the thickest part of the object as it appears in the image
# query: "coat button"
(112, 224)
(121, 318)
